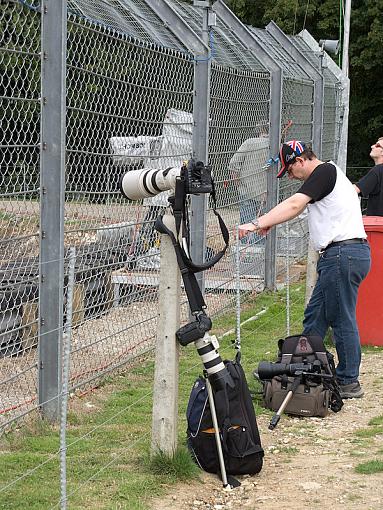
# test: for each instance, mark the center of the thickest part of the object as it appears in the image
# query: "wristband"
(256, 224)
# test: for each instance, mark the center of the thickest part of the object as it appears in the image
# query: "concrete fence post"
(165, 392)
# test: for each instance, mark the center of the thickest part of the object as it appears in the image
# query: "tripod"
(216, 374)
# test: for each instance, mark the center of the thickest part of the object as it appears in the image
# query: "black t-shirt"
(320, 183)
(371, 186)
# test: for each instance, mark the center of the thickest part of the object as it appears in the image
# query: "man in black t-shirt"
(337, 232)
(371, 185)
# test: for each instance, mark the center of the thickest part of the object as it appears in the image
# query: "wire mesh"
(19, 206)
(120, 118)
(130, 88)
(238, 152)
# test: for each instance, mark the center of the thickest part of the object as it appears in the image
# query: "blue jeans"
(340, 269)
(249, 209)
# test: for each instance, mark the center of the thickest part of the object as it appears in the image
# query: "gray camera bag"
(314, 396)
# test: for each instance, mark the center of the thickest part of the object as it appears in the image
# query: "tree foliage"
(323, 19)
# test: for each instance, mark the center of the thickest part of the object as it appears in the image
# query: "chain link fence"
(130, 102)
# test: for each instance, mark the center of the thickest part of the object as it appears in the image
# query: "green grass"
(108, 464)
(368, 441)
(370, 467)
(180, 466)
(374, 428)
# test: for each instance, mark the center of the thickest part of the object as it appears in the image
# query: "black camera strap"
(181, 215)
(193, 292)
(187, 267)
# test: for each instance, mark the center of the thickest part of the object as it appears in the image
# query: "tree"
(323, 20)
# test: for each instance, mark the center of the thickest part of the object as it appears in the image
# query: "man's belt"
(355, 240)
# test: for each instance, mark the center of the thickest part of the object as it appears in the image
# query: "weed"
(177, 466)
(370, 467)
(377, 420)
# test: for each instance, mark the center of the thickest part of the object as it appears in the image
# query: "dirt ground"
(309, 463)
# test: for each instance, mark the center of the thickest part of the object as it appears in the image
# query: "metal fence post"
(201, 107)
(248, 39)
(65, 378)
(317, 121)
(202, 71)
(317, 77)
(52, 188)
(272, 184)
(344, 91)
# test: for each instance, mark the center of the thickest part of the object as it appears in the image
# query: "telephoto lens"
(267, 370)
(148, 182)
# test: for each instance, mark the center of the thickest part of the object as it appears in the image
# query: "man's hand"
(248, 228)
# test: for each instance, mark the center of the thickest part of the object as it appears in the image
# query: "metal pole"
(346, 37)
(342, 160)
(271, 178)
(313, 73)
(318, 99)
(250, 41)
(65, 378)
(52, 188)
(201, 106)
(287, 278)
(238, 289)
(165, 391)
(216, 432)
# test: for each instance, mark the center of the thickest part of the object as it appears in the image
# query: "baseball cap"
(287, 154)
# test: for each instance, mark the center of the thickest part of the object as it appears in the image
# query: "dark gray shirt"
(371, 186)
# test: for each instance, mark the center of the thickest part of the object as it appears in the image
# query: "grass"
(180, 466)
(109, 430)
(369, 440)
(374, 428)
(370, 467)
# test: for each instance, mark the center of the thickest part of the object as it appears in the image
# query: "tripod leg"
(217, 438)
(277, 416)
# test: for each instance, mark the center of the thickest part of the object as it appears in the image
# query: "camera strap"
(187, 267)
(181, 218)
(193, 292)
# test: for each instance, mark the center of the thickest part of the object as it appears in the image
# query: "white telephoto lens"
(148, 182)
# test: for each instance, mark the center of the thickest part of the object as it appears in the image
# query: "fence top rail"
(315, 58)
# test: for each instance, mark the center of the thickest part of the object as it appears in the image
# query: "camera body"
(194, 330)
(197, 177)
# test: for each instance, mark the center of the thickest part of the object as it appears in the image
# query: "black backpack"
(241, 444)
(315, 395)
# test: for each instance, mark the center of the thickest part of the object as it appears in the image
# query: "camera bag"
(241, 444)
(314, 396)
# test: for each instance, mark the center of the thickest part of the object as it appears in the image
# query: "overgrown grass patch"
(180, 466)
(368, 440)
(374, 428)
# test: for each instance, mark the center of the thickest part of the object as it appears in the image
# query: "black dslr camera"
(197, 177)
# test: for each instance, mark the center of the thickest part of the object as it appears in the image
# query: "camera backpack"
(241, 444)
(314, 395)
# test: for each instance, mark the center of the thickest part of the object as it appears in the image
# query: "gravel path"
(309, 463)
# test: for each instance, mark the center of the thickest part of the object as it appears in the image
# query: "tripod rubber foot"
(232, 483)
(274, 421)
